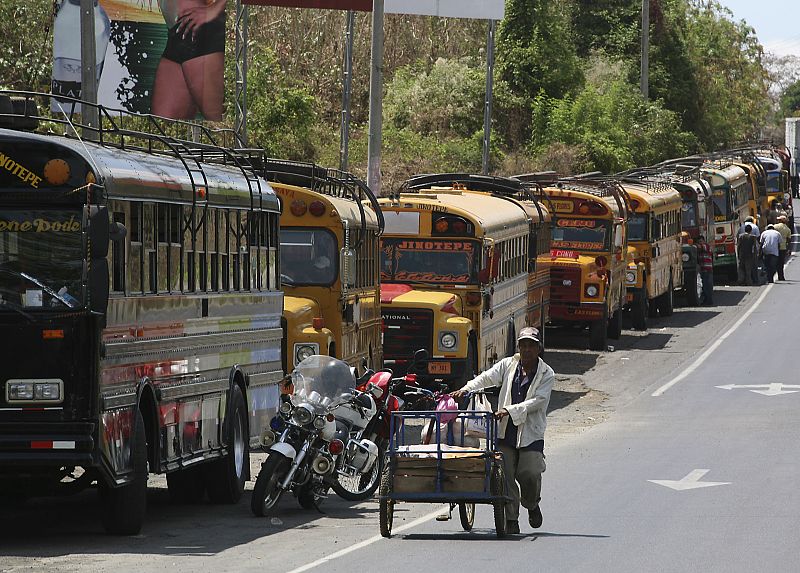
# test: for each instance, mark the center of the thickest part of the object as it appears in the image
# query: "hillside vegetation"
(566, 84)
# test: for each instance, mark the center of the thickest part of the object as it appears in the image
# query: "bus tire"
(124, 508)
(225, 478)
(187, 485)
(470, 363)
(639, 310)
(598, 334)
(693, 286)
(615, 325)
(666, 302)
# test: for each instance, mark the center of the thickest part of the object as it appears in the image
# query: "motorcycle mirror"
(420, 355)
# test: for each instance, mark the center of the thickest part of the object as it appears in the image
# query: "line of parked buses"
(154, 290)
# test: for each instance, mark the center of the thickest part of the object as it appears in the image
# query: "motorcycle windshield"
(322, 376)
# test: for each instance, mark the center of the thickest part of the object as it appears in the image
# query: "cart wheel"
(386, 505)
(466, 511)
(498, 488)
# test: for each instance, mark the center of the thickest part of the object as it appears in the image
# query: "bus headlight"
(630, 277)
(685, 257)
(448, 340)
(592, 290)
(303, 351)
(48, 390)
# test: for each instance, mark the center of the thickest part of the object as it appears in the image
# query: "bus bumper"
(586, 312)
(47, 444)
(446, 370)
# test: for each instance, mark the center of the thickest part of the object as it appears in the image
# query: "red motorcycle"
(387, 392)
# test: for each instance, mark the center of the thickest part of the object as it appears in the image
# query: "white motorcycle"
(301, 440)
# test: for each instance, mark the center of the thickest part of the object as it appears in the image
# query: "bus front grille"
(565, 285)
(406, 331)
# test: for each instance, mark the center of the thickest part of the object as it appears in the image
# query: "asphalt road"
(647, 471)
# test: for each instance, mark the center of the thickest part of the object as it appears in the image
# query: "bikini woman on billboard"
(190, 76)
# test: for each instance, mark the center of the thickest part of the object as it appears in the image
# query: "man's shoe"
(512, 527)
(535, 517)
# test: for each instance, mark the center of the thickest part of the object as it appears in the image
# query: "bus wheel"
(225, 478)
(471, 363)
(598, 334)
(123, 508)
(666, 302)
(639, 310)
(615, 325)
(693, 285)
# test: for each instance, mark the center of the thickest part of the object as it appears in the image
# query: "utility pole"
(487, 108)
(90, 115)
(375, 100)
(347, 92)
(645, 86)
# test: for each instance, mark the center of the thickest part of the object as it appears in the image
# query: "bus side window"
(225, 249)
(118, 257)
(135, 268)
(174, 261)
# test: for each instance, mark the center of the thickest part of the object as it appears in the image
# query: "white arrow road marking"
(691, 481)
(773, 389)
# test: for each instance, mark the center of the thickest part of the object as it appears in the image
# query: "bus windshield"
(308, 257)
(689, 214)
(41, 258)
(637, 227)
(581, 234)
(430, 260)
(721, 211)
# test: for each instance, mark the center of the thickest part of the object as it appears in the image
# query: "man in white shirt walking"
(770, 247)
(525, 382)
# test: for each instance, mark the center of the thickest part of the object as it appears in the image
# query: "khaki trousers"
(524, 468)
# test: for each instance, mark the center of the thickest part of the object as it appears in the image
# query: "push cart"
(458, 467)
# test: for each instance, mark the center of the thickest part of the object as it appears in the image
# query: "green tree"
(790, 100)
(26, 52)
(610, 122)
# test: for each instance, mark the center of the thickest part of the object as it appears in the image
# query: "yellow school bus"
(588, 256)
(531, 198)
(655, 268)
(456, 264)
(329, 244)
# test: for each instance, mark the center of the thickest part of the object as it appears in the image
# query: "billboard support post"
(487, 109)
(347, 81)
(240, 121)
(375, 101)
(89, 114)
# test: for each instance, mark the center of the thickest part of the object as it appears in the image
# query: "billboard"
(164, 57)
(478, 9)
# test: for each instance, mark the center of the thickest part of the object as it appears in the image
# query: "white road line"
(366, 542)
(702, 358)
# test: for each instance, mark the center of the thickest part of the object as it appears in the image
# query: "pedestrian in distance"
(786, 239)
(770, 247)
(525, 382)
(706, 260)
(756, 232)
(746, 250)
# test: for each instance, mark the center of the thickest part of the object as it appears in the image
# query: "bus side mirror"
(618, 238)
(99, 232)
(347, 266)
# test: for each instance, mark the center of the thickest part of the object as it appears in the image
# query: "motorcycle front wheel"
(362, 486)
(267, 491)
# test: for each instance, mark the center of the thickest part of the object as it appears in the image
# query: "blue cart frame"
(493, 490)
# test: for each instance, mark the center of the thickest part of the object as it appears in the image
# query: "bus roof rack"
(323, 180)
(486, 183)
